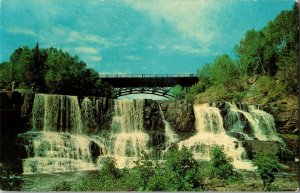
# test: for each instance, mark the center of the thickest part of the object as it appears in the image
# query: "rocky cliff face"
(286, 114)
(180, 115)
(12, 122)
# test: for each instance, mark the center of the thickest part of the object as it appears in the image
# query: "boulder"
(253, 147)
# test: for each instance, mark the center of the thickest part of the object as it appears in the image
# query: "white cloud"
(133, 58)
(194, 19)
(94, 58)
(23, 31)
(85, 49)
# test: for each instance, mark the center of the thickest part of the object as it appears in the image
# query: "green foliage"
(221, 166)
(266, 90)
(5, 74)
(109, 168)
(34, 69)
(271, 52)
(63, 186)
(178, 92)
(181, 172)
(145, 168)
(9, 180)
(53, 71)
(267, 167)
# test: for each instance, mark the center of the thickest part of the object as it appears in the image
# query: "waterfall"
(171, 136)
(130, 139)
(87, 115)
(56, 113)
(59, 152)
(66, 136)
(262, 123)
(210, 132)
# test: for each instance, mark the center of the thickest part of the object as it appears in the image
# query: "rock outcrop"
(180, 115)
(254, 147)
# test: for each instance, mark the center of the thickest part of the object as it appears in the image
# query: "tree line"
(268, 56)
(51, 70)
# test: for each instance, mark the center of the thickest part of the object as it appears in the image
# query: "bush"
(9, 180)
(221, 166)
(267, 167)
(109, 168)
(180, 173)
(63, 186)
(145, 168)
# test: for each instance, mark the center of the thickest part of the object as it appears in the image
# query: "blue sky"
(141, 36)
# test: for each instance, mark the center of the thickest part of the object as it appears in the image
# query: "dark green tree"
(35, 69)
(267, 167)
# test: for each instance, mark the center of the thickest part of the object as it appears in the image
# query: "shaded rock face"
(95, 150)
(153, 123)
(11, 123)
(286, 114)
(26, 109)
(152, 116)
(180, 115)
(254, 147)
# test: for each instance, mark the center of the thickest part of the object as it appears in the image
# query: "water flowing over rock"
(68, 133)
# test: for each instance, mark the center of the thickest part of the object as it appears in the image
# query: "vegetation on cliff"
(265, 68)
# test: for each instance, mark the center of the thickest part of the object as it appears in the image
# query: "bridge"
(157, 84)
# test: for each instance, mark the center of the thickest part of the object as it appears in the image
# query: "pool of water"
(46, 182)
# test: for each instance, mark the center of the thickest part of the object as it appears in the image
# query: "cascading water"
(66, 136)
(56, 113)
(56, 142)
(87, 114)
(130, 140)
(262, 124)
(210, 132)
(171, 136)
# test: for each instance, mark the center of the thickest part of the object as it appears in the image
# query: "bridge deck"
(149, 80)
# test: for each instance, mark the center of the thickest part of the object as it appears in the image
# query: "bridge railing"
(145, 75)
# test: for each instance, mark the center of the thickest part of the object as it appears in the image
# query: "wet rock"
(152, 116)
(95, 150)
(180, 115)
(286, 155)
(156, 139)
(239, 136)
(253, 147)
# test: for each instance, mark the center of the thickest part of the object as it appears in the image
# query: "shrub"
(63, 186)
(221, 166)
(180, 173)
(109, 168)
(9, 180)
(267, 167)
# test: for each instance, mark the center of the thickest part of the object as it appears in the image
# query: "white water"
(62, 126)
(210, 132)
(56, 152)
(171, 136)
(261, 123)
(56, 113)
(87, 114)
(130, 139)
